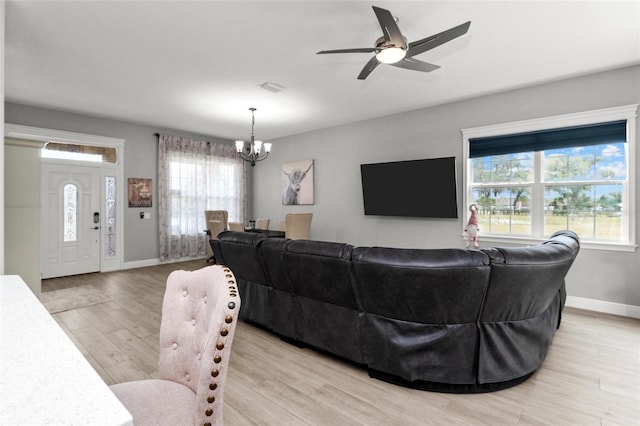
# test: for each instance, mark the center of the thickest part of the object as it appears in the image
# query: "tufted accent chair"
(199, 315)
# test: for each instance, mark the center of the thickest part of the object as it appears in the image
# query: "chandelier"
(252, 152)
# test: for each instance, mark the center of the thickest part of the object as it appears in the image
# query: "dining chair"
(262, 223)
(199, 315)
(214, 227)
(236, 226)
(222, 216)
(298, 226)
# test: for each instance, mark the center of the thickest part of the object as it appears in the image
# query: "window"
(214, 184)
(195, 176)
(532, 178)
(69, 151)
(110, 203)
(70, 214)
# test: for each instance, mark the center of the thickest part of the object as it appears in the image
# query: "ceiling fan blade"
(420, 46)
(354, 50)
(370, 66)
(389, 27)
(415, 64)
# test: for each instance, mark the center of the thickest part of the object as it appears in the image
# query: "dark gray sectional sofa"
(446, 320)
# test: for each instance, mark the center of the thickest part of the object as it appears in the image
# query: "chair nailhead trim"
(220, 345)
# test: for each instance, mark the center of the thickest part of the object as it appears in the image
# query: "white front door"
(70, 222)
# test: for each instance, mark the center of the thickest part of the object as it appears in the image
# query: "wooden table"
(268, 232)
(44, 379)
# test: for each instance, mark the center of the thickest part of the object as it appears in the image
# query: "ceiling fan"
(392, 47)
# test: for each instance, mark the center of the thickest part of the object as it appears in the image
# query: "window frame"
(627, 112)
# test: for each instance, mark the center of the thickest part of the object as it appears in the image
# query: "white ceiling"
(197, 66)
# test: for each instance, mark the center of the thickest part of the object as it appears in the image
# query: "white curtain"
(194, 176)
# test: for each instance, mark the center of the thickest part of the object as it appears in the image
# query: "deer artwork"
(292, 188)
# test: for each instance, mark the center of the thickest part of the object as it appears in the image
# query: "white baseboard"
(141, 263)
(153, 262)
(631, 311)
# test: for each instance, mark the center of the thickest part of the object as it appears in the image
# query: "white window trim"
(626, 112)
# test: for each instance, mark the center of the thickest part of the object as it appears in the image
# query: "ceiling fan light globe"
(391, 55)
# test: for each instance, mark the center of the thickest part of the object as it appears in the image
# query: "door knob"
(95, 227)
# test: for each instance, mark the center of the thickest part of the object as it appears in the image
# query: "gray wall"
(338, 153)
(435, 132)
(140, 161)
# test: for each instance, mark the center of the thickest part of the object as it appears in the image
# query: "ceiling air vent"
(272, 87)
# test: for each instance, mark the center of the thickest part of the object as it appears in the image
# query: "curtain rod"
(208, 142)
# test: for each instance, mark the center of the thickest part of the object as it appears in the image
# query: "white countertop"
(44, 379)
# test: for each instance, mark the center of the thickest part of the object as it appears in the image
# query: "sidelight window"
(110, 217)
(70, 213)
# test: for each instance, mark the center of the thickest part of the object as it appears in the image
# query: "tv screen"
(416, 188)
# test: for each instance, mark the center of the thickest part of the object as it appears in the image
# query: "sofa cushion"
(319, 270)
(285, 311)
(240, 252)
(439, 286)
(523, 305)
(421, 308)
(319, 273)
(271, 251)
(525, 280)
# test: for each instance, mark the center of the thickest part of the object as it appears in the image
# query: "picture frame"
(140, 192)
(298, 183)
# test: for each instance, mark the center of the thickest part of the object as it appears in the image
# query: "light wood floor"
(591, 375)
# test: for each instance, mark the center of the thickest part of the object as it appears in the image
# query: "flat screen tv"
(416, 188)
